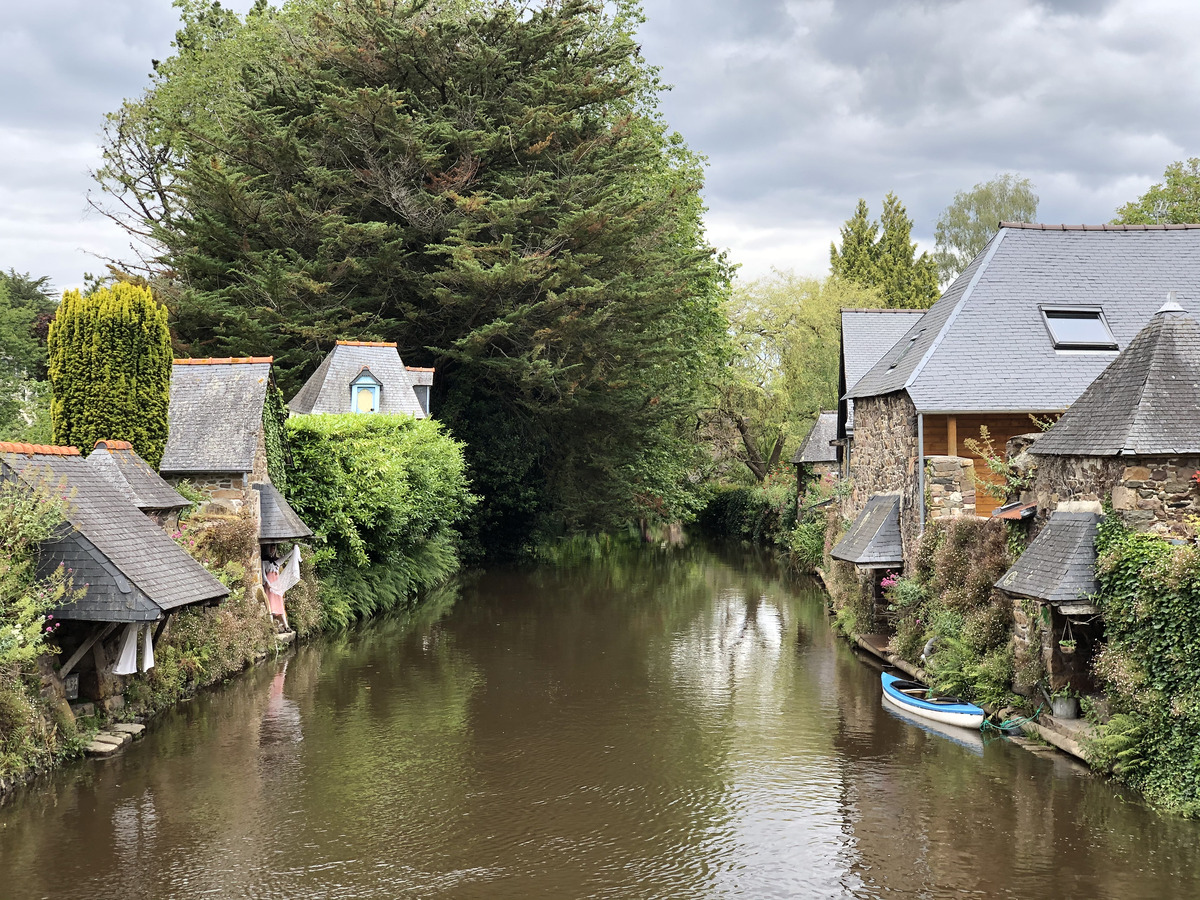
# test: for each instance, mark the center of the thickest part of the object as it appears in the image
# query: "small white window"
(1079, 328)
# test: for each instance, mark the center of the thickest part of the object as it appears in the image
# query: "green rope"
(1010, 724)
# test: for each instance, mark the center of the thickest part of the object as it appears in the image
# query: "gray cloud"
(801, 106)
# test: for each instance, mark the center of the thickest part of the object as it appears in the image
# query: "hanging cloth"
(290, 576)
(148, 648)
(127, 657)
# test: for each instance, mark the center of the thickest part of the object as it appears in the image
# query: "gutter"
(920, 474)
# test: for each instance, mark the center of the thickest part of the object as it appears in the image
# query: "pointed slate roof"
(867, 334)
(328, 390)
(278, 521)
(215, 414)
(816, 448)
(1059, 565)
(118, 464)
(984, 346)
(873, 541)
(1147, 403)
(133, 571)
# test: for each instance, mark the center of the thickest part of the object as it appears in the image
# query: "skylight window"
(1079, 329)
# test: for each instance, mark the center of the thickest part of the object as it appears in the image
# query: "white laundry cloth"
(148, 648)
(290, 576)
(127, 657)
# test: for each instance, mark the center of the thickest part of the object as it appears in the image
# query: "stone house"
(216, 438)
(1025, 328)
(1133, 437)
(135, 575)
(364, 377)
(866, 335)
(816, 455)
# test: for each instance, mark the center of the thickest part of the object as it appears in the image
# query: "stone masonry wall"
(1153, 494)
(950, 483)
(218, 488)
(884, 460)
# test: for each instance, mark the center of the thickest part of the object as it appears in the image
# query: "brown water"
(661, 725)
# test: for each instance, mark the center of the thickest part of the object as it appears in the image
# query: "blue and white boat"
(914, 698)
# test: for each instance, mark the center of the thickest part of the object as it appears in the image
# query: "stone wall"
(950, 484)
(884, 460)
(1153, 494)
(1038, 653)
(222, 491)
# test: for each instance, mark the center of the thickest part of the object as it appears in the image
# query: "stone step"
(132, 729)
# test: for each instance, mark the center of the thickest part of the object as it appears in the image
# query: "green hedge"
(383, 495)
(764, 513)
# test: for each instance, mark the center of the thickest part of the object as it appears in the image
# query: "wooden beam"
(98, 635)
(951, 436)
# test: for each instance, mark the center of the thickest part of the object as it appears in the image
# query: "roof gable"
(816, 447)
(133, 570)
(984, 345)
(867, 334)
(1059, 565)
(1146, 403)
(278, 521)
(873, 541)
(131, 476)
(215, 414)
(328, 390)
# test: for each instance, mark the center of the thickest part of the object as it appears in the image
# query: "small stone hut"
(134, 573)
(363, 377)
(1133, 437)
(118, 464)
(816, 453)
(216, 438)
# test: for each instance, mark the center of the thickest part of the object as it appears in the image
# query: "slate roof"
(215, 414)
(133, 571)
(867, 334)
(1147, 403)
(984, 346)
(279, 521)
(1059, 565)
(328, 390)
(873, 541)
(816, 448)
(118, 464)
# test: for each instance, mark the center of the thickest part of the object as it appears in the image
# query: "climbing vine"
(275, 416)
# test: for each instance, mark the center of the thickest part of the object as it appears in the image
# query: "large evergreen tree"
(883, 255)
(489, 185)
(110, 370)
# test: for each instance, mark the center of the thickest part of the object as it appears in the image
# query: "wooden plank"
(98, 635)
(952, 435)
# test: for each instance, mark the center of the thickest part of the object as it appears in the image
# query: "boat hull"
(961, 715)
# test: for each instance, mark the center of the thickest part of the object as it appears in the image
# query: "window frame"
(1048, 312)
(363, 382)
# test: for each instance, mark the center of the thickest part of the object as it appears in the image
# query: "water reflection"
(661, 724)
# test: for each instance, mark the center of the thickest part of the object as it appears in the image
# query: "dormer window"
(1079, 328)
(364, 392)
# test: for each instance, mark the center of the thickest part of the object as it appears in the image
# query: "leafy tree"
(489, 185)
(968, 223)
(1174, 201)
(786, 334)
(110, 370)
(25, 312)
(883, 255)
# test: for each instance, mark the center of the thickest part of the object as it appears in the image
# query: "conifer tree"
(883, 255)
(110, 370)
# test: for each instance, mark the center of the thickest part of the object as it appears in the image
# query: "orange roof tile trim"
(37, 449)
(419, 369)
(366, 343)
(113, 445)
(225, 361)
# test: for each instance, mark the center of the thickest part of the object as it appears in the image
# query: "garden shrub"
(762, 514)
(383, 495)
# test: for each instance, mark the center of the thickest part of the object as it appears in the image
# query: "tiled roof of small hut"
(867, 334)
(985, 347)
(327, 391)
(1147, 403)
(874, 538)
(1059, 565)
(816, 448)
(279, 520)
(132, 477)
(133, 570)
(215, 414)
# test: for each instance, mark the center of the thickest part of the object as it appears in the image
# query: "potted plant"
(1064, 705)
(1066, 647)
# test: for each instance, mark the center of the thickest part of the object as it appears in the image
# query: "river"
(659, 724)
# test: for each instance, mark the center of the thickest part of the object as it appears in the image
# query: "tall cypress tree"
(883, 255)
(110, 370)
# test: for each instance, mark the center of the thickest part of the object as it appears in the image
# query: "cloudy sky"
(800, 106)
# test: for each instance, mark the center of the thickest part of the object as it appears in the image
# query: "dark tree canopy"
(883, 255)
(486, 183)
